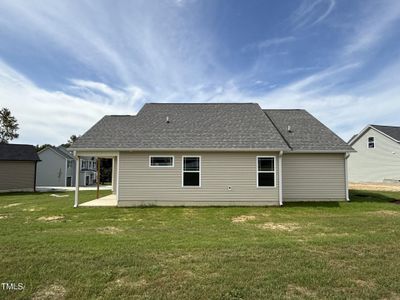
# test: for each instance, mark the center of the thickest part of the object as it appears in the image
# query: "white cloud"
(312, 12)
(52, 117)
(374, 27)
(165, 53)
(276, 41)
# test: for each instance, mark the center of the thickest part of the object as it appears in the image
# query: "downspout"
(346, 176)
(280, 178)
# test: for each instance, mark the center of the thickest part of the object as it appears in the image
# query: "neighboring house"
(378, 154)
(57, 168)
(219, 154)
(17, 168)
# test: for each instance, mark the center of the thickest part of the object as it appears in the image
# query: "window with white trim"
(191, 171)
(161, 161)
(266, 171)
(371, 142)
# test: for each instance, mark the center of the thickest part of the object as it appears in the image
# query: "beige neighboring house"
(17, 168)
(378, 155)
(186, 154)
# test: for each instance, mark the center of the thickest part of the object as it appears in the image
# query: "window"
(371, 142)
(84, 165)
(191, 171)
(161, 161)
(265, 171)
(69, 164)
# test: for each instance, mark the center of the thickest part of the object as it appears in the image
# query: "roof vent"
(167, 119)
(289, 129)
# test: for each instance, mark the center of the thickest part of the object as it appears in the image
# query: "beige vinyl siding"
(374, 164)
(17, 175)
(313, 177)
(140, 184)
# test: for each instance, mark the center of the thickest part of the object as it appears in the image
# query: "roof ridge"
(200, 103)
(120, 115)
(282, 109)
(14, 144)
(384, 125)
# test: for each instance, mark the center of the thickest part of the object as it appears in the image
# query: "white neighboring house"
(378, 155)
(57, 168)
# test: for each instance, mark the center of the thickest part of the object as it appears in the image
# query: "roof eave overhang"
(181, 149)
(286, 150)
(322, 151)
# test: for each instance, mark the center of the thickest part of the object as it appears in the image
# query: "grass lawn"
(312, 250)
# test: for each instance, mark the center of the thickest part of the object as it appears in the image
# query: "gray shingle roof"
(211, 126)
(63, 151)
(392, 131)
(307, 133)
(191, 126)
(18, 152)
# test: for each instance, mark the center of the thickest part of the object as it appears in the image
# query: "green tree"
(8, 126)
(40, 147)
(71, 140)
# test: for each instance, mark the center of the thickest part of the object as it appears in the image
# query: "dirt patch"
(279, 226)
(109, 230)
(126, 282)
(33, 209)
(333, 234)
(364, 284)
(300, 292)
(12, 205)
(393, 187)
(54, 291)
(51, 218)
(243, 218)
(189, 213)
(59, 195)
(392, 296)
(384, 213)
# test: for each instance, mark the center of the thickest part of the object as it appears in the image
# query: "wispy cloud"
(312, 12)
(51, 116)
(166, 52)
(276, 41)
(374, 27)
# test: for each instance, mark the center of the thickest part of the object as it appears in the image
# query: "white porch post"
(77, 173)
(346, 176)
(113, 179)
(280, 178)
(117, 182)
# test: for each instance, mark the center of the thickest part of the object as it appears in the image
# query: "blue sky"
(65, 64)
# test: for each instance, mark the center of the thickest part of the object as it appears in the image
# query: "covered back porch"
(109, 200)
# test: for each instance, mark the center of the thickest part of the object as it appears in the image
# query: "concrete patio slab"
(71, 188)
(110, 200)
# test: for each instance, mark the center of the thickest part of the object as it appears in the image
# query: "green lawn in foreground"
(312, 250)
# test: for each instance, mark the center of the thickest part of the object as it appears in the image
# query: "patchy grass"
(302, 250)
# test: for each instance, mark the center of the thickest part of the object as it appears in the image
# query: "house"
(218, 154)
(17, 168)
(378, 154)
(57, 168)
